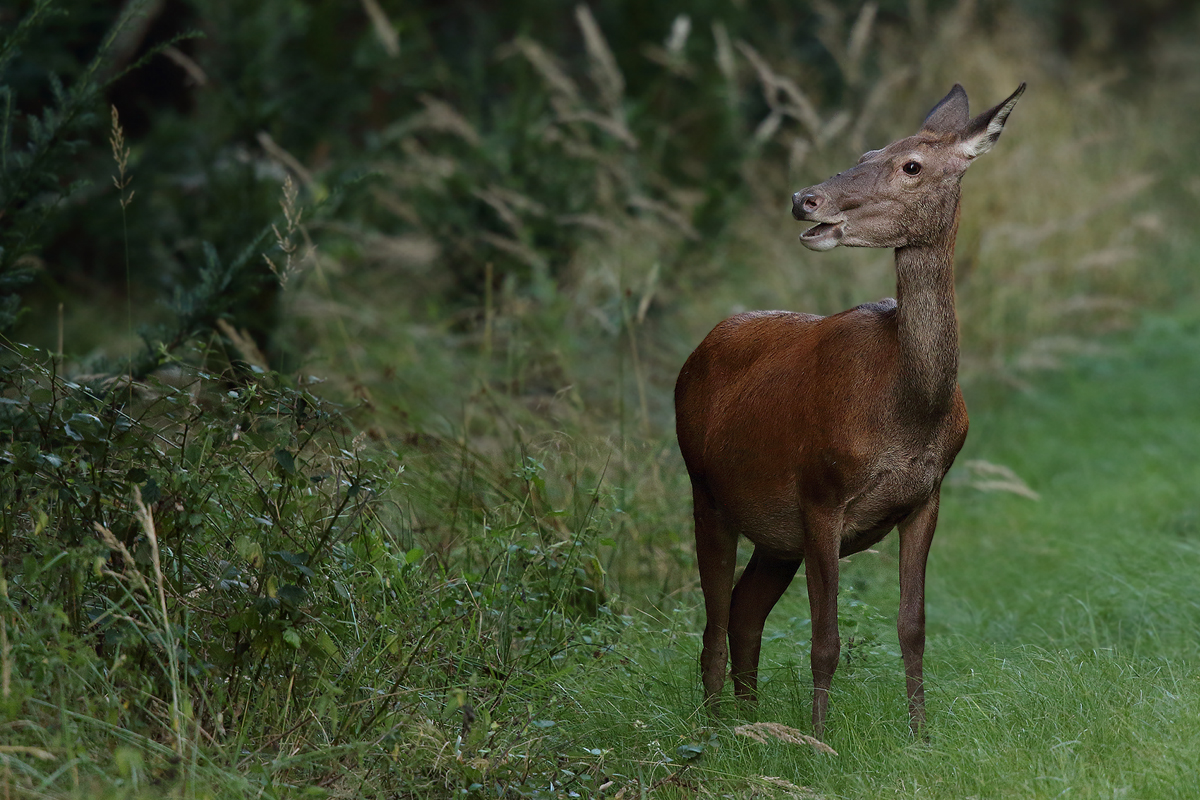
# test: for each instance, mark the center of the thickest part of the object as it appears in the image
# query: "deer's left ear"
(983, 131)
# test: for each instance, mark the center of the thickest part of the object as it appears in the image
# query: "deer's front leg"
(916, 535)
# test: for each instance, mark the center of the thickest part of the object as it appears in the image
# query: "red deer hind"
(814, 436)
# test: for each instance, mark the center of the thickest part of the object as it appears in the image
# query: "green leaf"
(326, 644)
(243, 621)
(250, 551)
(292, 595)
(50, 459)
(297, 561)
(286, 461)
(292, 637)
(455, 699)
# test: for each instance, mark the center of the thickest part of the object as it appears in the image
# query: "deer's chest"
(893, 492)
(898, 481)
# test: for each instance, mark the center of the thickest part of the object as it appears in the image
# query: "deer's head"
(907, 193)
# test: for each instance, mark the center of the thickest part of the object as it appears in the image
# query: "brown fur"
(814, 436)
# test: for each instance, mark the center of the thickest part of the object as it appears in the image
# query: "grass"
(1061, 660)
(479, 581)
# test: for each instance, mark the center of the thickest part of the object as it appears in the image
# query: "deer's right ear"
(950, 115)
(983, 131)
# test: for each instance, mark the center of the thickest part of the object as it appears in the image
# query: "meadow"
(336, 442)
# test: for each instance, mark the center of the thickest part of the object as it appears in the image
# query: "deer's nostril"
(810, 202)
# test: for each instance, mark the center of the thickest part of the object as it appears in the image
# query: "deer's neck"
(926, 322)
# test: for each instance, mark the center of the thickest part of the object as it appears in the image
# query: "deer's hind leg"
(822, 548)
(763, 582)
(716, 556)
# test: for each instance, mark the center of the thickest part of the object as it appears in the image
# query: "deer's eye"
(912, 168)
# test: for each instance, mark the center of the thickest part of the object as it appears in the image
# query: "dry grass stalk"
(760, 731)
(546, 65)
(185, 62)
(35, 752)
(5, 648)
(130, 574)
(523, 253)
(726, 64)
(442, 117)
(884, 88)
(1048, 352)
(286, 159)
(794, 102)
(1108, 258)
(509, 205)
(397, 206)
(860, 34)
(613, 126)
(157, 592)
(146, 520)
(565, 95)
(605, 72)
(595, 222)
(292, 214)
(849, 57)
(835, 125)
(1116, 307)
(121, 156)
(415, 252)
(672, 54)
(782, 783)
(679, 220)
(384, 30)
(989, 477)
(681, 29)
(244, 343)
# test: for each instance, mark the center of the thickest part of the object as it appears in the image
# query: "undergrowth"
(450, 555)
(218, 576)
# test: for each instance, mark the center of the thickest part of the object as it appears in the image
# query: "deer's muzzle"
(812, 206)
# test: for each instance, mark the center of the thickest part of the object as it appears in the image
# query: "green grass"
(479, 581)
(1062, 657)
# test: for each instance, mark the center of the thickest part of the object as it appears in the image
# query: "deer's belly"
(777, 520)
(775, 508)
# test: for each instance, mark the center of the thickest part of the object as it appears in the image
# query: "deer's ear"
(950, 114)
(983, 131)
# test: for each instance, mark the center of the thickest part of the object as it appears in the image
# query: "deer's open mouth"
(823, 235)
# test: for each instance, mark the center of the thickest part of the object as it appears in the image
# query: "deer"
(815, 436)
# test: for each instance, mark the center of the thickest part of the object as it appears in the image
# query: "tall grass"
(582, 366)
(1040, 264)
(476, 579)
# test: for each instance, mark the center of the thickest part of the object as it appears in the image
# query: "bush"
(237, 560)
